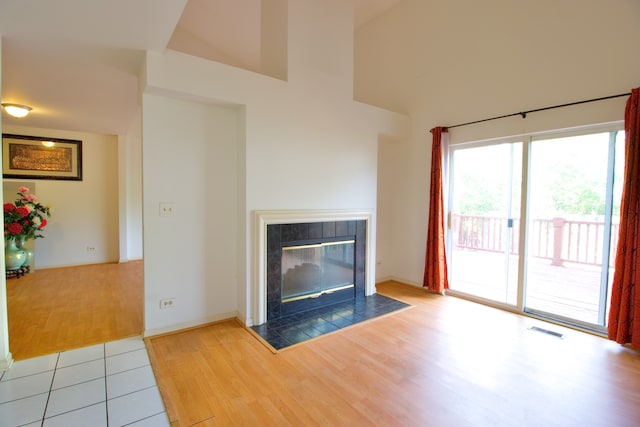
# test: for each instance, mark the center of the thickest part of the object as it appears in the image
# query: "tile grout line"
(106, 395)
(74, 409)
(72, 385)
(134, 392)
(53, 377)
(127, 370)
(145, 418)
(78, 383)
(80, 363)
(55, 374)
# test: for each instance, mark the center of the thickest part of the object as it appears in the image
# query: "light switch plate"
(167, 209)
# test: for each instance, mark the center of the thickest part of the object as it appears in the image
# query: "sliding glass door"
(570, 188)
(484, 218)
(575, 186)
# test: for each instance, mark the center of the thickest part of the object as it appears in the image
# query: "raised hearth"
(297, 328)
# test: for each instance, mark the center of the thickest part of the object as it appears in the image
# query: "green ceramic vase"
(28, 254)
(14, 257)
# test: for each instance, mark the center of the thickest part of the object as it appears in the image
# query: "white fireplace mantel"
(258, 292)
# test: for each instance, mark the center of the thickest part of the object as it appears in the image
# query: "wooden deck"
(571, 290)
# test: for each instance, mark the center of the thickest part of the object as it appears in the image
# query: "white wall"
(384, 232)
(189, 159)
(304, 144)
(85, 213)
(461, 60)
(130, 191)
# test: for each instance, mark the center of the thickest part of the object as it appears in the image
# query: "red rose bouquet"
(26, 217)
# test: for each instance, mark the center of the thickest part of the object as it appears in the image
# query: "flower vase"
(28, 254)
(13, 256)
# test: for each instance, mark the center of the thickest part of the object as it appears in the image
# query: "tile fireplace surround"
(262, 219)
(280, 236)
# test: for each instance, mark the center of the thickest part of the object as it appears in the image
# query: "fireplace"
(310, 265)
(316, 269)
(277, 229)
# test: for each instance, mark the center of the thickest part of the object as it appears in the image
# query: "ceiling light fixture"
(16, 110)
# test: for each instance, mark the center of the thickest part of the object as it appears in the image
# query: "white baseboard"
(400, 280)
(189, 325)
(123, 260)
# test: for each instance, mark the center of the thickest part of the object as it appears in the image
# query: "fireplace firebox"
(310, 265)
(317, 269)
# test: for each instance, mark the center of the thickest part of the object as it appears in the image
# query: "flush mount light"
(16, 110)
(48, 144)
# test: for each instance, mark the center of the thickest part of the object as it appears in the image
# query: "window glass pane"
(568, 186)
(485, 218)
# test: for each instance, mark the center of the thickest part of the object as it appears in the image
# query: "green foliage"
(568, 178)
(577, 192)
(479, 196)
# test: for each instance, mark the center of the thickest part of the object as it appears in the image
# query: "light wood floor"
(444, 362)
(52, 310)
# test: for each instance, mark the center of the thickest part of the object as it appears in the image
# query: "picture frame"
(36, 157)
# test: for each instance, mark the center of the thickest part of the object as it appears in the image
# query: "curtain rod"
(524, 113)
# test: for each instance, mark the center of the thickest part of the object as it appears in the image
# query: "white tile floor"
(109, 384)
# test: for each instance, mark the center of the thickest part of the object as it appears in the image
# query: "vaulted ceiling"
(77, 62)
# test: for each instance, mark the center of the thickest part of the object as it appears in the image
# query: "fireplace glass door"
(317, 270)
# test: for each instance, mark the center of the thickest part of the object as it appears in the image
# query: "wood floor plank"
(445, 361)
(52, 310)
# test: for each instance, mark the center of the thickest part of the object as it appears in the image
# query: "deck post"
(558, 236)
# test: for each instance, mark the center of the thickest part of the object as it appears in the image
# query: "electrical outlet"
(167, 209)
(91, 248)
(167, 303)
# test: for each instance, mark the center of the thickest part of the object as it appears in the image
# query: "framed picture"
(35, 157)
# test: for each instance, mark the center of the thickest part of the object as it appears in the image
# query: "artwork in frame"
(35, 157)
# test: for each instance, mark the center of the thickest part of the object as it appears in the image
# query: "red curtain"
(624, 316)
(435, 269)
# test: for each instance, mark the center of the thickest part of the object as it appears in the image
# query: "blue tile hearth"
(300, 327)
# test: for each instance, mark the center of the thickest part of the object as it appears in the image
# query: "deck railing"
(557, 239)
